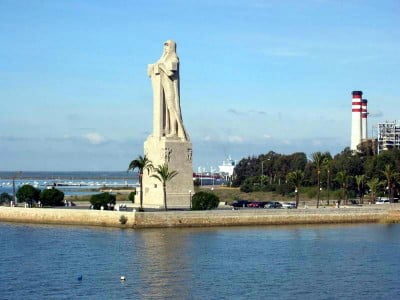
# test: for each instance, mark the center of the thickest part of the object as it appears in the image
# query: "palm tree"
(141, 163)
(318, 158)
(164, 175)
(373, 186)
(360, 180)
(391, 178)
(327, 164)
(342, 179)
(296, 178)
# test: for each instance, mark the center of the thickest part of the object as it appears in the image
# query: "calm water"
(71, 183)
(325, 262)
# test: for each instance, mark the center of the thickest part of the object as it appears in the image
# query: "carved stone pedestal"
(178, 155)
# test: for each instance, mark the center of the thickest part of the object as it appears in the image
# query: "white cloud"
(317, 143)
(235, 139)
(287, 142)
(94, 138)
(266, 136)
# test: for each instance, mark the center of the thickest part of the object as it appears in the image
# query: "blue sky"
(256, 75)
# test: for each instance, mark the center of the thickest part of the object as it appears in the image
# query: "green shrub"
(5, 198)
(123, 220)
(28, 194)
(284, 189)
(269, 188)
(312, 192)
(52, 197)
(337, 195)
(103, 199)
(131, 196)
(246, 187)
(351, 194)
(204, 201)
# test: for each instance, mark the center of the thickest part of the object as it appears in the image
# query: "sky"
(256, 76)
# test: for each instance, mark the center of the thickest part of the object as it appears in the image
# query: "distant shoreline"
(123, 219)
(76, 175)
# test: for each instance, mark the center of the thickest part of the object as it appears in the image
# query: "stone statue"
(164, 76)
(169, 142)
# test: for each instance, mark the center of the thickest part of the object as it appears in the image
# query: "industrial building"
(388, 135)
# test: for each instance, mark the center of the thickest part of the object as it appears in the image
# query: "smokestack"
(364, 118)
(356, 119)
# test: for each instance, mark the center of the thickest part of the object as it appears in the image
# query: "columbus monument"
(169, 142)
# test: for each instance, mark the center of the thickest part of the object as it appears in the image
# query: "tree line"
(347, 174)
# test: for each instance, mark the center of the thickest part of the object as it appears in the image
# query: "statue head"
(169, 50)
(169, 47)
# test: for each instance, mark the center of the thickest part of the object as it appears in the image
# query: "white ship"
(227, 167)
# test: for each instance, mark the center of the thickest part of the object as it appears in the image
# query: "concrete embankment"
(197, 218)
(263, 217)
(67, 216)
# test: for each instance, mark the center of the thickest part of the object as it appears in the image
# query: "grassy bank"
(227, 194)
(307, 195)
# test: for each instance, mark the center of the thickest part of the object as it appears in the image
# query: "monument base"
(178, 155)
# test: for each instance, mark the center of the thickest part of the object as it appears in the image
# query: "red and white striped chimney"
(356, 107)
(364, 118)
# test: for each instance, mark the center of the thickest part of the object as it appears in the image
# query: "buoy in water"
(122, 278)
(80, 278)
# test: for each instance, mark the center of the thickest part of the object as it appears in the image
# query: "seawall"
(66, 216)
(197, 218)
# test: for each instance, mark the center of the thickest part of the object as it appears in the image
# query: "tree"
(391, 178)
(327, 165)
(204, 201)
(368, 147)
(28, 194)
(360, 180)
(52, 197)
(103, 199)
(350, 163)
(247, 185)
(131, 196)
(296, 178)
(249, 166)
(373, 186)
(390, 157)
(318, 159)
(342, 178)
(142, 164)
(5, 198)
(164, 175)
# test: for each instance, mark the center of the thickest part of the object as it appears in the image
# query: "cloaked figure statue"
(164, 76)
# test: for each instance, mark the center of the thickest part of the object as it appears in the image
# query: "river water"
(71, 183)
(308, 262)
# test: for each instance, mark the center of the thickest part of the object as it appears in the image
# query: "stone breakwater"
(198, 218)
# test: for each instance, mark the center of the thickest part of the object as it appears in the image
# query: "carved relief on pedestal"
(189, 154)
(166, 154)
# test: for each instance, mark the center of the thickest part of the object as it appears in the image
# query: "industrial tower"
(359, 115)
